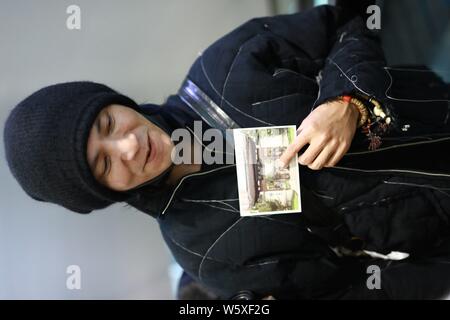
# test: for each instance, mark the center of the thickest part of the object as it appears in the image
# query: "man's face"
(125, 149)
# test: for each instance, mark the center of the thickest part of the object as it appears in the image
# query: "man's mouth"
(149, 152)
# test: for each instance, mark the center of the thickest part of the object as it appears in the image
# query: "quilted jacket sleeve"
(354, 64)
(351, 55)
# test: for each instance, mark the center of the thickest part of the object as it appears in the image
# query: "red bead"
(346, 98)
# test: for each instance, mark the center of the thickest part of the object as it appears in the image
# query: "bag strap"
(207, 109)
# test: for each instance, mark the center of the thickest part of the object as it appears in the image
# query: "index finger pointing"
(299, 142)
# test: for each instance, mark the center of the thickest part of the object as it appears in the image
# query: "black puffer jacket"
(274, 71)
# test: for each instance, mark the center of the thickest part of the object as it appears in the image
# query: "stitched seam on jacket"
(220, 208)
(229, 72)
(201, 173)
(382, 202)
(193, 252)
(229, 103)
(207, 203)
(275, 99)
(213, 245)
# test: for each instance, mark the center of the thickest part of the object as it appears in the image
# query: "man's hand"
(329, 130)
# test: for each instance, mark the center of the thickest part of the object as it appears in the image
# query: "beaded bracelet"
(372, 126)
(363, 113)
(378, 124)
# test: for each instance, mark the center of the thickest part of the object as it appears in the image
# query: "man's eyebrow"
(97, 124)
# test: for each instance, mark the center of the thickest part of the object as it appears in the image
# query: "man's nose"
(127, 146)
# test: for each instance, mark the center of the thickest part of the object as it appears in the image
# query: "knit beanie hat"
(45, 140)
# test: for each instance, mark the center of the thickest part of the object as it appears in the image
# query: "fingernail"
(279, 164)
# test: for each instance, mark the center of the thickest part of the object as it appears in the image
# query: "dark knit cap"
(45, 139)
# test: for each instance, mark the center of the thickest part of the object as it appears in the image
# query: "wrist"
(358, 109)
(356, 113)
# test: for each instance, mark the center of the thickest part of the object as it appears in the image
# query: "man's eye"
(110, 124)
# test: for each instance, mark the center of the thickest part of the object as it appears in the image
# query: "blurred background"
(142, 48)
